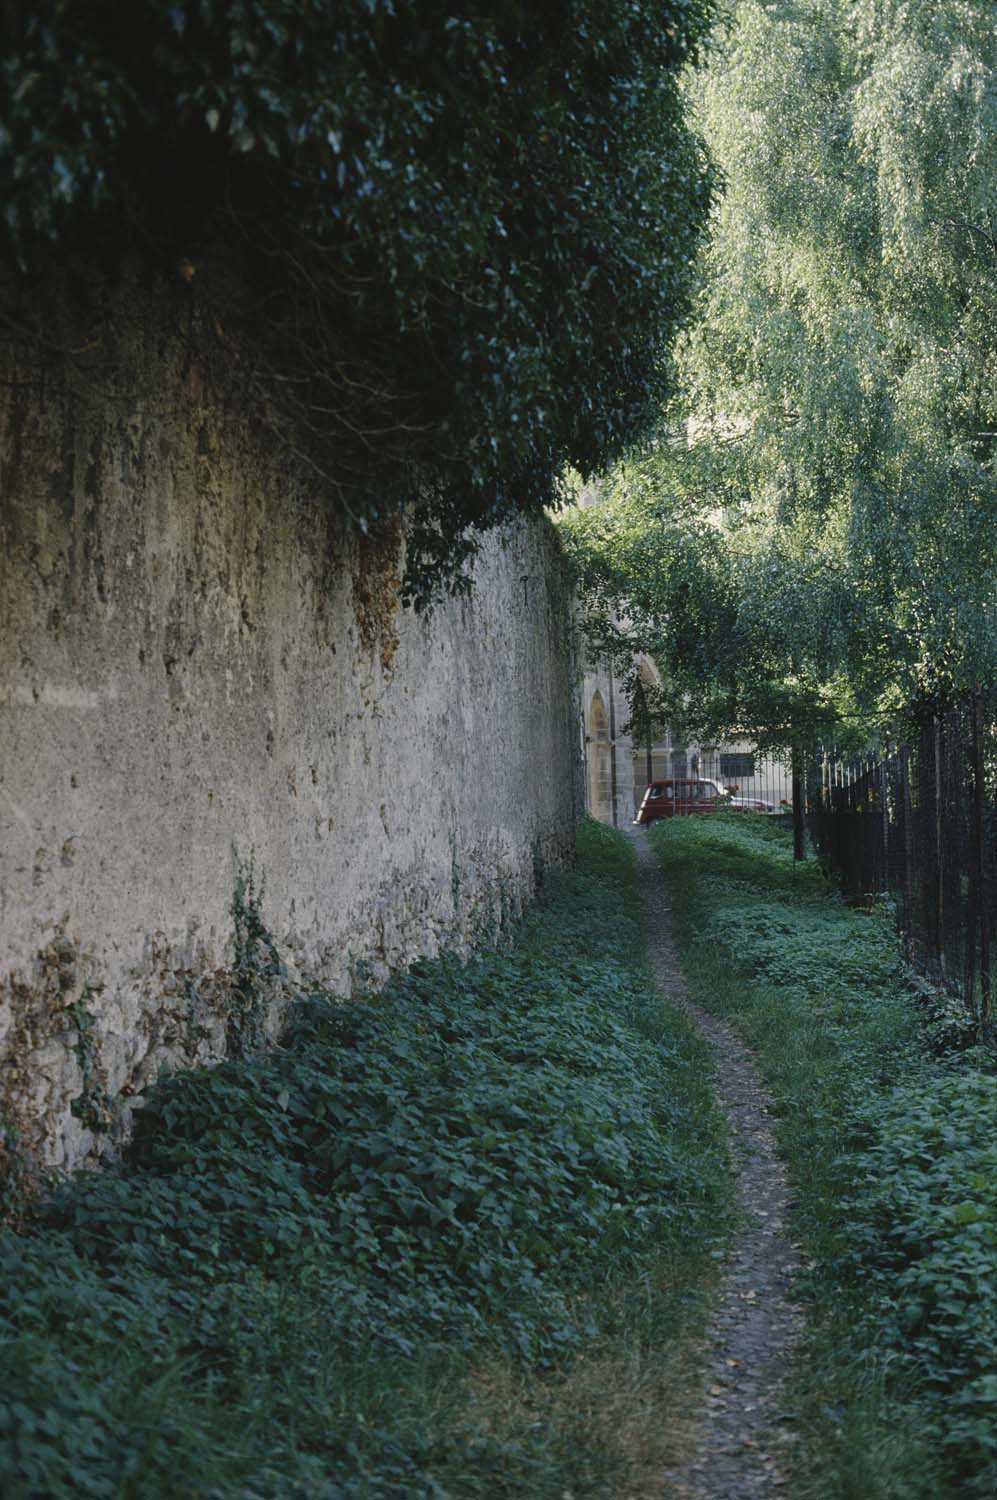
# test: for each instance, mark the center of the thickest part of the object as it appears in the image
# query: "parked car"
(680, 797)
(683, 796)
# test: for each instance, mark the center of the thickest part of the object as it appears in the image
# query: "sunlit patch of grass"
(632, 1390)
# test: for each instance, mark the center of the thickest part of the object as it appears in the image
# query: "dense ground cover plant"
(445, 250)
(888, 1120)
(286, 1289)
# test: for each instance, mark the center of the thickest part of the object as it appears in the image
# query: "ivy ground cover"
(888, 1117)
(446, 1242)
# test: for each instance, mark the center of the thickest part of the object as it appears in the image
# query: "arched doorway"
(600, 761)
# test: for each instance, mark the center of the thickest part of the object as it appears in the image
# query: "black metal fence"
(919, 823)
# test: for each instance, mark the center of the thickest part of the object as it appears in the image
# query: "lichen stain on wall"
(196, 666)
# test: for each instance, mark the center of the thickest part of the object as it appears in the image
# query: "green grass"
(454, 1241)
(889, 1123)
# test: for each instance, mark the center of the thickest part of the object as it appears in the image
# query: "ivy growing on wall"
(444, 247)
(257, 962)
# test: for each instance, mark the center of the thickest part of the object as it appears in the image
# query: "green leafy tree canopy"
(832, 449)
(454, 241)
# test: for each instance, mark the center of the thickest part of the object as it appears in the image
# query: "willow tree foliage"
(828, 472)
(748, 629)
(450, 242)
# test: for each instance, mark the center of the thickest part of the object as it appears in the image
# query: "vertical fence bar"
(797, 780)
(905, 802)
(884, 786)
(979, 856)
(971, 866)
(939, 891)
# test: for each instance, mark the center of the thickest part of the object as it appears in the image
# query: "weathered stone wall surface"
(184, 686)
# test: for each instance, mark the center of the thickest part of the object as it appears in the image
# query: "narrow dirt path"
(756, 1320)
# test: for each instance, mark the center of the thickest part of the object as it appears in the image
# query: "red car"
(679, 798)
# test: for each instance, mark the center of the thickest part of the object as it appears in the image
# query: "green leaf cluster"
(923, 1211)
(443, 251)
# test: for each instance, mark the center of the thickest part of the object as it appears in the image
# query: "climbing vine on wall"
(256, 966)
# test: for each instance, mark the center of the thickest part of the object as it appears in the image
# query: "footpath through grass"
(452, 1242)
(888, 1119)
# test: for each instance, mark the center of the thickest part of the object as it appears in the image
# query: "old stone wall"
(199, 675)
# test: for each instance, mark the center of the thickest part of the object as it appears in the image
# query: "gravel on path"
(756, 1321)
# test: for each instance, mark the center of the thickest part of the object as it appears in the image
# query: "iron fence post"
(979, 844)
(797, 793)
